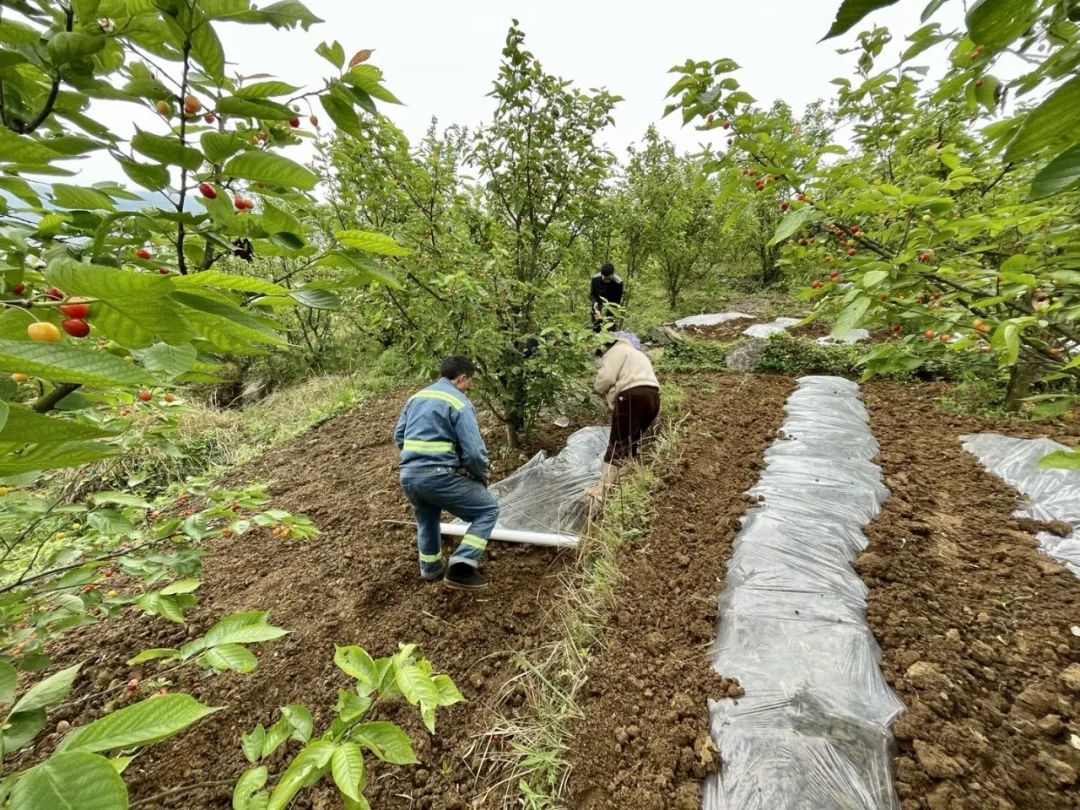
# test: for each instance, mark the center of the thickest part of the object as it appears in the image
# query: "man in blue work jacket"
(444, 466)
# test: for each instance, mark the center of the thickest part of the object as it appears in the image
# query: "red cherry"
(131, 685)
(162, 271)
(143, 253)
(209, 118)
(208, 191)
(76, 309)
(294, 122)
(54, 294)
(145, 395)
(18, 289)
(76, 327)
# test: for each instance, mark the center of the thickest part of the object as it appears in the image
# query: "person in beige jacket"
(626, 379)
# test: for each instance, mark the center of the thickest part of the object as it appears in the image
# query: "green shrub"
(785, 354)
(694, 355)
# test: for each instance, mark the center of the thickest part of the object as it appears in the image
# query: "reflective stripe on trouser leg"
(470, 550)
(428, 536)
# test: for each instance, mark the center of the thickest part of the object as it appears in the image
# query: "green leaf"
(48, 692)
(986, 91)
(70, 781)
(1061, 460)
(369, 79)
(266, 167)
(24, 149)
(371, 242)
(24, 425)
(233, 657)
(851, 315)
(220, 145)
(50, 456)
(21, 728)
(207, 50)
(996, 23)
(386, 741)
(339, 107)
(224, 324)
(1060, 174)
(230, 281)
(314, 758)
(169, 360)
(1058, 115)
(416, 685)
(180, 586)
(356, 663)
(448, 692)
(121, 499)
(851, 11)
(347, 766)
(300, 720)
(260, 108)
(266, 89)
(132, 308)
(1006, 339)
(150, 176)
(931, 9)
(8, 678)
(873, 278)
(73, 46)
(166, 150)
(243, 628)
(316, 298)
(287, 241)
(252, 743)
(253, 780)
(148, 721)
(334, 54)
(168, 607)
(351, 706)
(78, 197)
(283, 14)
(368, 271)
(793, 223)
(155, 654)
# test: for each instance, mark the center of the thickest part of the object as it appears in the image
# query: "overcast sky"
(440, 58)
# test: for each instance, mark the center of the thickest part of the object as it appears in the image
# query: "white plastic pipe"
(515, 536)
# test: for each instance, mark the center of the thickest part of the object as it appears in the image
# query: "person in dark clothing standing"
(606, 288)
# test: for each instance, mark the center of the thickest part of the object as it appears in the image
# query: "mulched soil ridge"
(643, 741)
(973, 620)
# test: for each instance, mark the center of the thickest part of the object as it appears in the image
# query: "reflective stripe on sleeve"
(454, 402)
(421, 446)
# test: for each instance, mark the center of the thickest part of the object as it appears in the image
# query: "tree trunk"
(770, 273)
(1021, 378)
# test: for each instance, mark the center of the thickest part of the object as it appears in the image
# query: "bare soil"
(975, 624)
(973, 620)
(356, 583)
(643, 742)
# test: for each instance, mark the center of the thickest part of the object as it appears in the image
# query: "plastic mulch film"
(849, 337)
(812, 731)
(763, 330)
(1050, 494)
(547, 493)
(711, 319)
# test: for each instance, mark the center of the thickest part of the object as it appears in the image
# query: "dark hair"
(455, 366)
(608, 269)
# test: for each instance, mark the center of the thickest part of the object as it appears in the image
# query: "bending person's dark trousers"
(635, 410)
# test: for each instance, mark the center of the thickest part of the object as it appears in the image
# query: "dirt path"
(357, 583)
(973, 620)
(644, 740)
